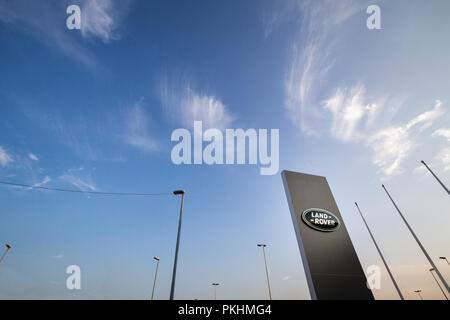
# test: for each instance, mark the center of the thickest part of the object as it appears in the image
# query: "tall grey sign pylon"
(332, 268)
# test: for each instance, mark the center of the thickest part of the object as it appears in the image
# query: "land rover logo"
(321, 220)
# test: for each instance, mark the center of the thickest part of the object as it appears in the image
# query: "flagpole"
(4, 255)
(381, 255)
(435, 176)
(418, 242)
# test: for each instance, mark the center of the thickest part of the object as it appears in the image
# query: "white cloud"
(348, 109)
(83, 134)
(286, 278)
(33, 157)
(137, 126)
(46, 180)
(59, 256)
(444, 154)
(101, 19)
(354, 119)
(207, 108)
(444, 157)
(442, 133)
(392, 145)
(81, 181)
(420, 170)
(319, 27)
(185, 106)
(427, 118)
(39, 20)
(316, 50)
(5, 158)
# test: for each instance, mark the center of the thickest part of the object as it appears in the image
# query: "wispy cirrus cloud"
(185, 105)
(285, 278)
(445, 133)
(5, 158)
(426, 119)
(88, 137)
(278, 13)
(319, 26)
(41, 20)
(76, 133)
(351, 114)
(392, 145)
(100, 19)
(79, 178)
(23, 166)
(46, 180)
(137, 128)
(355, 118)
(33, 157)
(443, 156)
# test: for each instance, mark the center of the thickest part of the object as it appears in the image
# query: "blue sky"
(94, 109)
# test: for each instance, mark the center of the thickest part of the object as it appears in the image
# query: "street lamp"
(263, 246)
(174, 275)
(156, 273)
(215, 288)
(7, 249)
(418, 292)
(444, 258)
(431, 271)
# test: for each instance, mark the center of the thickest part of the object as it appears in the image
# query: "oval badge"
(321, 220)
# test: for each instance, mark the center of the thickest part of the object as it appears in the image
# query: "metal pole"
(172, 288)
(215, 290)
(156, 274)
(4, 255)
(431, 271)
(418, 242)
(381, 255)
(435, 176)
(267, 270)
(267, 273)
(418, 292)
